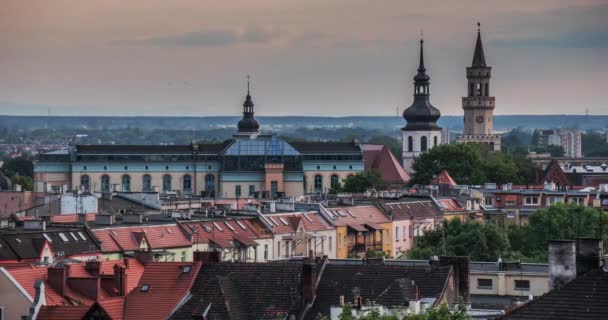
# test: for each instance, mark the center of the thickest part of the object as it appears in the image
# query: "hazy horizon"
(316, 58)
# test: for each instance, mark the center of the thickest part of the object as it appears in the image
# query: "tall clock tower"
(478, 105)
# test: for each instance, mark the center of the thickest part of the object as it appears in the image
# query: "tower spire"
(479, 59)
(421, 67)
(248, 124)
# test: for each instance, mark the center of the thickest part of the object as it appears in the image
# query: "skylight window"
(283, 220)
(207, 228)
(218, 227)
(18, 240)
(186, 269)
(228, 225)
(81, 235)
(145, 287)
(168, 230)
(307, 218)
(46, 236)
(241, 225)
(63, 237)
(351, 214)
(73, 236)
(273, 221)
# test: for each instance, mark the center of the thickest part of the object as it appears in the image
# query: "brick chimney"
(120, 280)
(589, 253)
(93, 267)
(144, 256)
(58, 279)
(309, 279)
(562, 263)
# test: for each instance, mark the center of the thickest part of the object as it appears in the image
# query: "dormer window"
(145, 287)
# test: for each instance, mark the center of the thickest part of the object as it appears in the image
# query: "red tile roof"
(134, 270)
(312, 222)
(444, 178)
(62, 312)
(125, 239)
(27, 277)
(168, 284)
(70, 218)
(358, 215)
(114, 307)
(406, 210)
(379, 157)
(450, 205)
(223, 232)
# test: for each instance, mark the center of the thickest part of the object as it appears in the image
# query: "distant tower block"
(421, 132)
(478, 105)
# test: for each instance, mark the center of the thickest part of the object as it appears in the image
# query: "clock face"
(479, 119)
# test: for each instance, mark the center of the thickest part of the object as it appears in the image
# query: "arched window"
(335, 181)
(146, 183)
(187, 183)
(166, 183)
(210, 185)
(410, 144)
(105, 183)
(478, 89)
(487, 91)
(318, 183)
(126, 183)
(435, 141)
(423, 144)
(471, 89)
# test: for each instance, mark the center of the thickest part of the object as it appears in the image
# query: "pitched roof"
(168, 283)
(357, 215)
(479, 59)
(66, 242)
(126, 239)
(405, 210)
(450, 205)
(244, 291)
(444, 178)
(65, 312)
(134, 270)
(312, 221)
(27, 277)
(223, 232)
(380, 158)
(390, 284)
(583, 298)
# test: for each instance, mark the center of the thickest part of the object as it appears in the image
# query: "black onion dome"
(248, 123)
(421, 115)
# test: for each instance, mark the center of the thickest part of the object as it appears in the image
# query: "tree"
(25, 182)
(18, 166)
(363, 181)
(472, 163)
(481, 242)
(443, 312)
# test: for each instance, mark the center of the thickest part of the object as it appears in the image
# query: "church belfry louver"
(421, 132)
(478, 105)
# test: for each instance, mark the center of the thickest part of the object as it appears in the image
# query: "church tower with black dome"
(248, 126)
(421, 132)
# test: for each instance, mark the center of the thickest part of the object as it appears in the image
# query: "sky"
(313, 57)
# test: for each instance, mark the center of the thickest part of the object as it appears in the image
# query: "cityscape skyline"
(191, 59)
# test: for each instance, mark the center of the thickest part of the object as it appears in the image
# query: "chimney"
(82, 218)
(93, 267)
(132, 218)
(206, 257)
(589, 252)
(309, 279)
(120, 279)
(143, 256)
(58, 279)
(104, 219)
(562, 263)
(460, 267)
(341, 300)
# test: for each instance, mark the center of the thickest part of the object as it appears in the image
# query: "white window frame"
(531, 201)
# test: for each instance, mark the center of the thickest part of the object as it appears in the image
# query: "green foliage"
(594, 145)
(371, 253)
(363, 181)
(472, 163)
(347, 312)
(528, 243)
(443, 312)
(482, 242)
(18, 166)
(26, 182)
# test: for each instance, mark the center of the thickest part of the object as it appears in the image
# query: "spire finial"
(421, 66)
(478, 26)
(248, 80)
